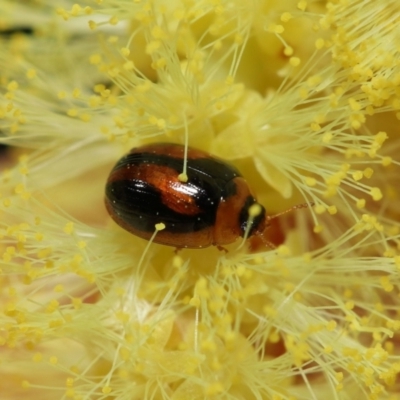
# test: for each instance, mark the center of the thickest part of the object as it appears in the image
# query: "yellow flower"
(303, 97)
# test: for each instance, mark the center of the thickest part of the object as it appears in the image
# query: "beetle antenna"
(265, 241)
(296, 207)
(261, 231)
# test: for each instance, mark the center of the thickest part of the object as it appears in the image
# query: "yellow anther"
(376, 194)
(294, 61)
(160, 226)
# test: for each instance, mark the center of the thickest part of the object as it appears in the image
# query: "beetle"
(211, 208)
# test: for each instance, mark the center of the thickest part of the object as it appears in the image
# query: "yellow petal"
(274, 177)
(233, 143)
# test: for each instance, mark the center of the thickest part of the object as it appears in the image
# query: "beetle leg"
(178, 249)
(221, 248)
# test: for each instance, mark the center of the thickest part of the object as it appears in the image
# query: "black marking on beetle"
(140, 205)
(206, 173)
